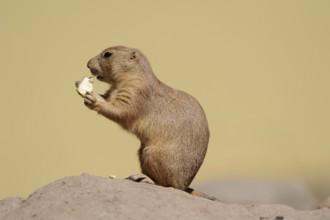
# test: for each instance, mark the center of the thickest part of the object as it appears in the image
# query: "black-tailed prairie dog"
(170, 124)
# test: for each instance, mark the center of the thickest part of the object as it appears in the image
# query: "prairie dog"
(170, 124)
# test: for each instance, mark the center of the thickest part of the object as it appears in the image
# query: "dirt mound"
(91, 197)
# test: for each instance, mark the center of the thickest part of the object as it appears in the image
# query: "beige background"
(259, 68)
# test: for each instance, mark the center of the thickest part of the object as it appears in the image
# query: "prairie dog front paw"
(94, 101)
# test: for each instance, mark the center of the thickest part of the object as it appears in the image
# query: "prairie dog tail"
(200, 194)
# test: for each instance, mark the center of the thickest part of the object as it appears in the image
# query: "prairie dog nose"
(93, 65)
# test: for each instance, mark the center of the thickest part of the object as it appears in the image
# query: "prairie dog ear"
(133, 55)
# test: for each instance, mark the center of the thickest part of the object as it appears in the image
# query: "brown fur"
(170, 124)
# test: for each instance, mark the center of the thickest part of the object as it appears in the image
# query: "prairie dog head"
(118, 63)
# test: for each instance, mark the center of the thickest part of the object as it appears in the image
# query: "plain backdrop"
(260, 69)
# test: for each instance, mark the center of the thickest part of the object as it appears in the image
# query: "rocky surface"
(91, 197)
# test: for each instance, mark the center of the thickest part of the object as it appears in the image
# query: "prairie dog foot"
(142, 178)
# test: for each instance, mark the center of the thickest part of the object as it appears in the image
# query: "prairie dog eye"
(106, 54)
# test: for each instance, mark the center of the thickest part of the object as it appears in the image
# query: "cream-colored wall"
(260, 69)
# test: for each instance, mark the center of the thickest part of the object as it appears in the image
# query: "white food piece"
(85, 85)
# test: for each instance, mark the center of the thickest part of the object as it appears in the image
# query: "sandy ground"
(91, 197)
